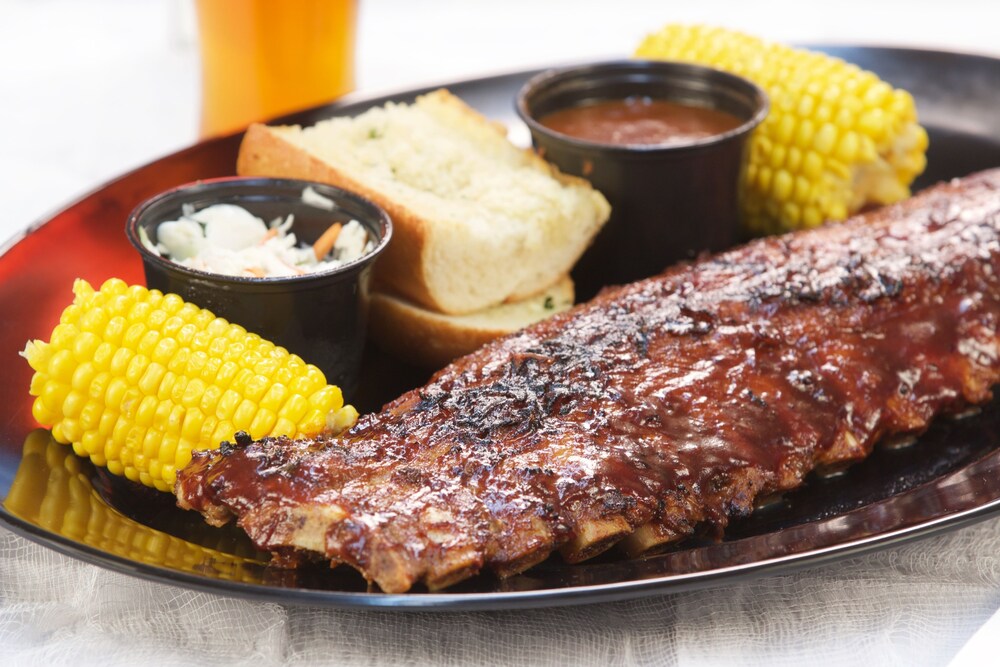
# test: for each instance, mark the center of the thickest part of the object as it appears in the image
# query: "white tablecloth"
(91, 89)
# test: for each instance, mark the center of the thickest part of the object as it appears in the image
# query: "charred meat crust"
(658, 406)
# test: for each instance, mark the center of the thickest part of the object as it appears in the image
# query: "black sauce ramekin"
(668, 201)
(322, 316)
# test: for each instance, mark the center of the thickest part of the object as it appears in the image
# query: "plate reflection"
(53, 489)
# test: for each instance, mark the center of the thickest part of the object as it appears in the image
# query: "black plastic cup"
(322, 316)
(668, 202)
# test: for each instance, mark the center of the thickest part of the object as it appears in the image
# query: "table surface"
(93, 89)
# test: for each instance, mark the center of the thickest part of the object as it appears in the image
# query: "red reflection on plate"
(86, 240)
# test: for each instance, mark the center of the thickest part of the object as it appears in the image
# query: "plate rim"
(497, 600)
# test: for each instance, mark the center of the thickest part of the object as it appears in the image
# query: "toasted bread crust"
(432, 340)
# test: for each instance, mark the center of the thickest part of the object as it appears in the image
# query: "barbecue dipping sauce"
(639, 121)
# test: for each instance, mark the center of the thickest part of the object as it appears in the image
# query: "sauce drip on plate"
(640, 121)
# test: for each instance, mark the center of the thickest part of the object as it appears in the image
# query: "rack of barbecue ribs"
(657, 407)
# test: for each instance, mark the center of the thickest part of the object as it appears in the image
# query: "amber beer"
(264, 58)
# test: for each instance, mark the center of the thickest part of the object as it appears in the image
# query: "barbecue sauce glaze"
(667, 403)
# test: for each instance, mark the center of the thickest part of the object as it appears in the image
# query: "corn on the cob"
(837, 137)
(136, 380)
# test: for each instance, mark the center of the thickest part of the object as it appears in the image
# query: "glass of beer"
(265, 58)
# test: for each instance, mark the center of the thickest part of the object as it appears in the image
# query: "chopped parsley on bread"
(477, 221)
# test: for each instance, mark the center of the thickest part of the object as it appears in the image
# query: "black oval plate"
(948, 478)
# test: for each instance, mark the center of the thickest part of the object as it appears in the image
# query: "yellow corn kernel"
(241, 378)
(210, 398)
(166, 388)
(84, 345)
(314, 421)
(119, 362)
(137, 380)
(327, 396)
(146, 413)
(73, 404)
(61, 366)
(63, 336)
(109, 418)
(133, 334)
(201, 340)
(255, 387)
(193, 392)
(227, 404)
(244, 415)
(342, 419)
(42, 414)
(102, 355)
(164, 350)
(161, 418)
(53, 394)
(92, 419)
(71, 430)
(191, 426)
(224, 430)
(83, 376)
(262, 423)
(149, 383)
(196, 363)
(38, 381)
(115, 330)
(92, 443)
(859, 138)
(208, 426)
(186, 335)
(136, 368)
(211, 369)
(295, 407)
(178, 389)
(94, 321)
(284, 427)
(148, 342)
(227, 371)
(275, 397)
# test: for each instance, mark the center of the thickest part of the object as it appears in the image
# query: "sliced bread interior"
(429, 339)
(477, 221)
